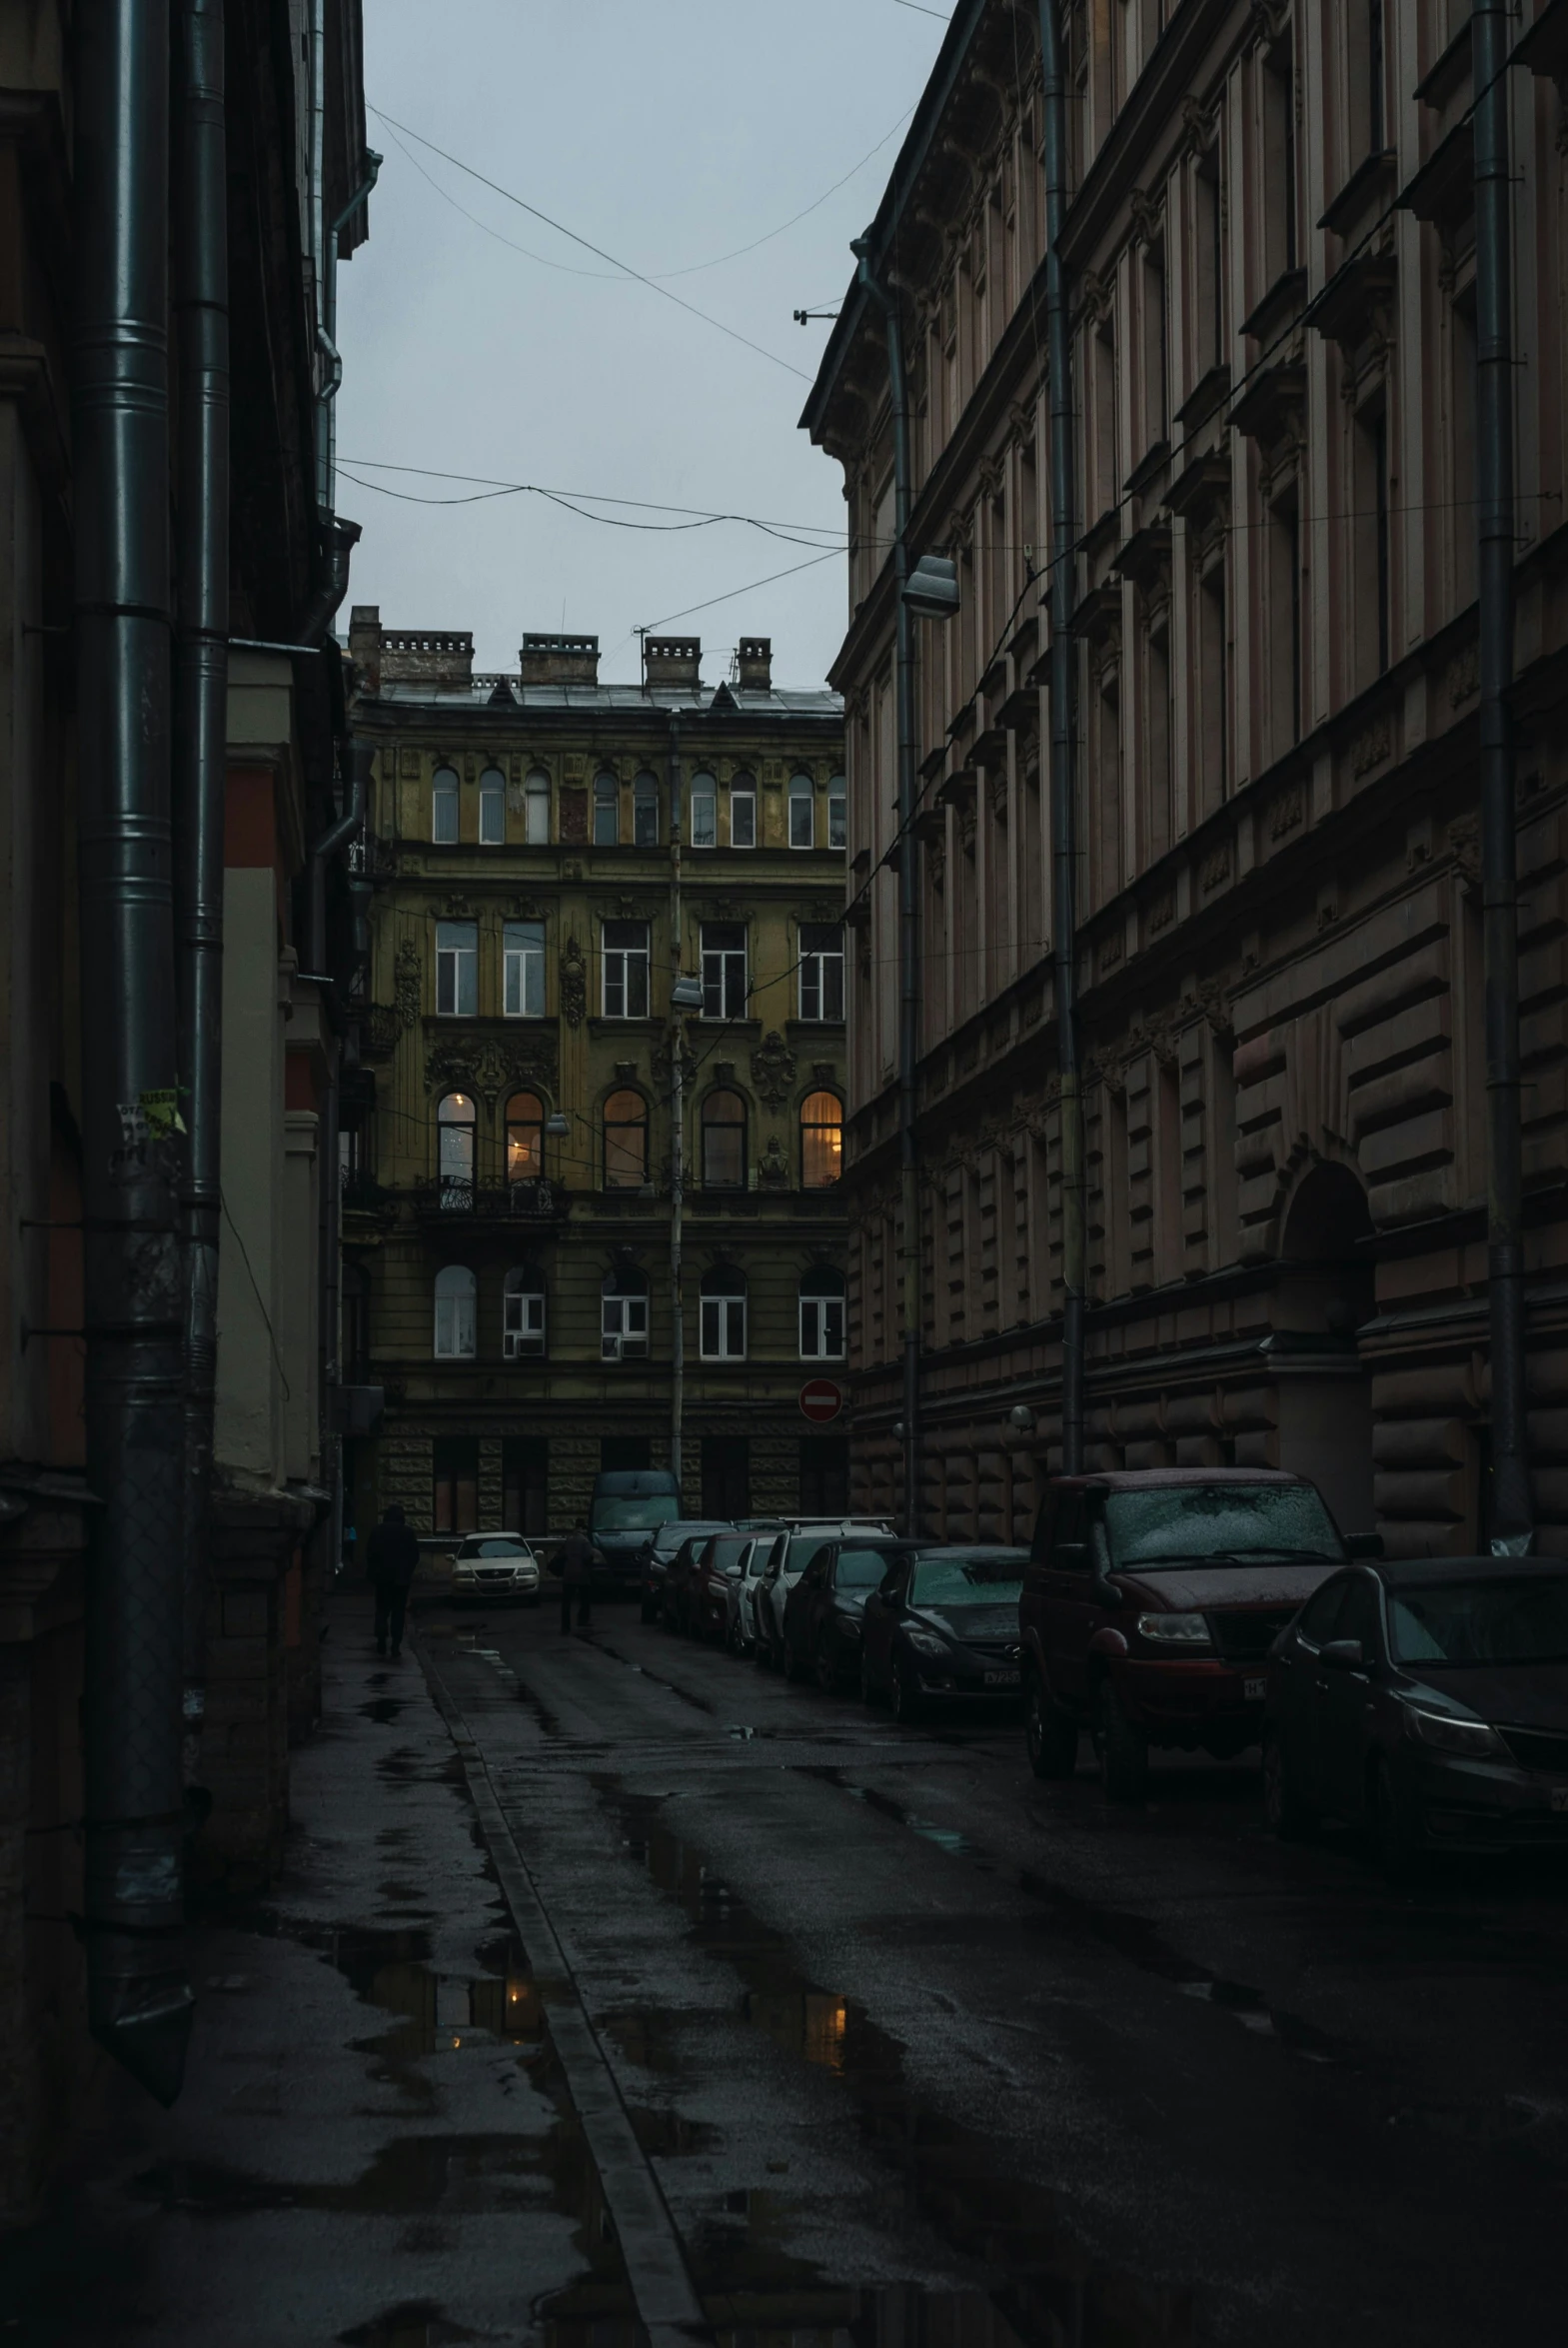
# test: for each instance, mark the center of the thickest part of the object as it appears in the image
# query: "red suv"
(1150, 1605)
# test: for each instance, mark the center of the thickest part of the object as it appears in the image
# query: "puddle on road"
(686, 1695)
(416, 2325)
(382, 1708)
(1135, 1938)
(1054, 2294)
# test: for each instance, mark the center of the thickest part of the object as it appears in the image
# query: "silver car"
(774, 1569)
(496, 1566)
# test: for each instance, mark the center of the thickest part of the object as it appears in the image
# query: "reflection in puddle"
(416, 2325)
(382, 1708)
(953, 2181)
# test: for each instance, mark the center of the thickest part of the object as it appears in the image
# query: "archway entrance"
(1326, 1291)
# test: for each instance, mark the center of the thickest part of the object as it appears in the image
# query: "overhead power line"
(597, 497)
(788, 533)
(599, 252)
(831, 556)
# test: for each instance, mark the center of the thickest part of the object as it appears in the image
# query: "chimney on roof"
(754, 663)
(559, 660)
(425, 656)
(365, 645)
(672, 661)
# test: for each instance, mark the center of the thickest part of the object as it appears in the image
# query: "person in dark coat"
(574, 1563)
(392, 1560)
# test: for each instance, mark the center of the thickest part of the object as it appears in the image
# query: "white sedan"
(496, 1566)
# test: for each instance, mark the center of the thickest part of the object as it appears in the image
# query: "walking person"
(574, 1563)
(392, 1560)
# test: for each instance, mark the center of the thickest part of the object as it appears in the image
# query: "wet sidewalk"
(374, 2144)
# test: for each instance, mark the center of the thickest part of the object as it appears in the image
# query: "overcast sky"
(668, 133)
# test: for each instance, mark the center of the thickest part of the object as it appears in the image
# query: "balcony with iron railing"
(452, 1200)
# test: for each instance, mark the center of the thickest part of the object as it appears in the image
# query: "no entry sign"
(820, 1401)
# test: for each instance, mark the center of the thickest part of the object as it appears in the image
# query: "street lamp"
(557, 1126)
(686, 994)
(931, 590)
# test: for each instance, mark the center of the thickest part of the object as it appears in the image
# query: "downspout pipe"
(1512, 1509)
(201, 666)
(139, 1996)
(1063, 683)
(909, 887)
(325, 341)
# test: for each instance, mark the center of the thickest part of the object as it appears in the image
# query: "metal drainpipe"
(676, 1125)
(329, 1196)
(327, 343)
(909, 894)
(1512, 1508)
(139, 1998)
(201, 666)
(1063, 828)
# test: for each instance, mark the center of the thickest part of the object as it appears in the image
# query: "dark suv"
(1149, 1606)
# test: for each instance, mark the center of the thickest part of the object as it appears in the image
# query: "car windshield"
(495, 1548)
(860, 1568)
(636, 1513)
(1514, 1622)
(968, 1582)
(1220, 1523)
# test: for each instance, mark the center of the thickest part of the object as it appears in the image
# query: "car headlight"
(927, 1642)
(1448, 1735)
(1174, 1630)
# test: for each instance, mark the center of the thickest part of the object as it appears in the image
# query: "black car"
(677, 1596)
(654, 1558)
(1428, 1700)
(822, 1616)
(943, 1625)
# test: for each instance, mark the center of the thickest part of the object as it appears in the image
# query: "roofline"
(934, 100)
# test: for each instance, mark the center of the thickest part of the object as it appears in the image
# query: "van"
(628, 1504)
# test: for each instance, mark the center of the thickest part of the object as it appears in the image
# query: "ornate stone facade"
(555, 810)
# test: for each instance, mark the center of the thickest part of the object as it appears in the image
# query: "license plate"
(1002, 1678)
(1560, 1797)
(1253, 1690)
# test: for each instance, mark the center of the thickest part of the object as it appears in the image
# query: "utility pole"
(1512, 1513)
(1064, 940)
(677, 1117)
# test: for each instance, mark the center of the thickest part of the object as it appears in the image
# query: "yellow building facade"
(548, 856)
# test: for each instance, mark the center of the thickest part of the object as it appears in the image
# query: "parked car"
(713, 1608)
(1426, 1699)
(679, 1598)
(751, 1571)
(822, 1614)
(496, 1566)
(628, 1504)
(943, 1626)
(792, 1552)
(1150, 1605)
(657, 1551)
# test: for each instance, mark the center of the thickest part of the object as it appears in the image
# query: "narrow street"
(914, 2048)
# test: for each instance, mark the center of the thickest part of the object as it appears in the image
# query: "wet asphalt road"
(899, 2021)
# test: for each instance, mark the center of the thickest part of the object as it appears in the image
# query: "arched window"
(704, 812)
(624, 1314)
(724, 1141)
(444, 804)
(821, 1141)
(492, 807)
(523, 1313)
(821, 1315)
(607, 811)
(525, 1138)
(455, 1132)
(742, 812)
(838, 812)
(455, 1290)
(535, 801)
(645, 811)
(724, 1315)
(625, 1142)
(802, 820)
